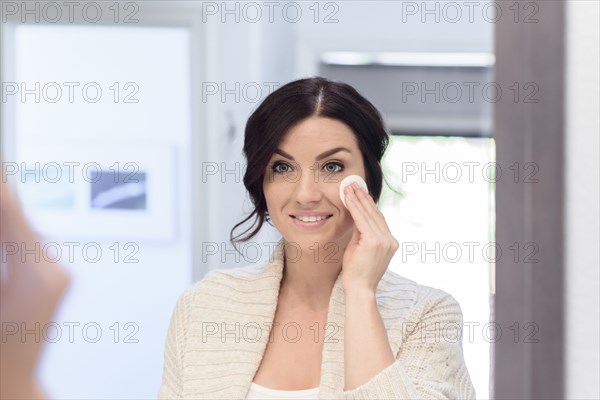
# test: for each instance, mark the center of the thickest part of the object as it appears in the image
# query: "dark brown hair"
(289, 105)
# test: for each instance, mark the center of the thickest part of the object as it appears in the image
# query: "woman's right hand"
(30, 292)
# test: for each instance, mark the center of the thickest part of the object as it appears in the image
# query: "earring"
(268, 219)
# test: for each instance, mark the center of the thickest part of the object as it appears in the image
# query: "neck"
(310, 273)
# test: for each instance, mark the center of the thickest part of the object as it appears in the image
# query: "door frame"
(530, 137)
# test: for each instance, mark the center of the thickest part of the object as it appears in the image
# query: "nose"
(308, 188)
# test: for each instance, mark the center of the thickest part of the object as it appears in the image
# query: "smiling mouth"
(311, 218)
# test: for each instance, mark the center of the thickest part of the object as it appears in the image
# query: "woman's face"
(302, 179)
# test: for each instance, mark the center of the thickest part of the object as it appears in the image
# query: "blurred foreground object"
(30, 291)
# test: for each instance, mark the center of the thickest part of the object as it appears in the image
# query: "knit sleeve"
(429, 363)
(172, 379)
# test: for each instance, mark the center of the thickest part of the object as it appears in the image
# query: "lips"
(312, 217)
(310, 221)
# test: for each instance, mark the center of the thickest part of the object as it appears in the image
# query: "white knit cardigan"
(424, 328)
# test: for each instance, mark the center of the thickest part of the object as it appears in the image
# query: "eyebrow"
(319, 157)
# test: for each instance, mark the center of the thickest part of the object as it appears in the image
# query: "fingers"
(358, 211)
(365, 204)
(365, 213)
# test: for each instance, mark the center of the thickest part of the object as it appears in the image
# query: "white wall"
(395, 26)
(582, 181)
(403, 26)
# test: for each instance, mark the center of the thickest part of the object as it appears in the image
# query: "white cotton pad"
(349, 180)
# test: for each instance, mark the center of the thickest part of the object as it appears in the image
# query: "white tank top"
(257, 392)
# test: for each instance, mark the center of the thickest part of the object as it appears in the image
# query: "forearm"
(367, 349)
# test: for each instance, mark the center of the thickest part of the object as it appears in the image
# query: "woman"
(324, 318)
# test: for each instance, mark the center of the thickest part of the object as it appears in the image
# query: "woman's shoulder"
(234, 288)
(401, 292)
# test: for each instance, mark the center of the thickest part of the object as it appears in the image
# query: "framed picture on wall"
(120, 192)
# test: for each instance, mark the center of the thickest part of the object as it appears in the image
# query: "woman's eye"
(333, 167)
(280, 168)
